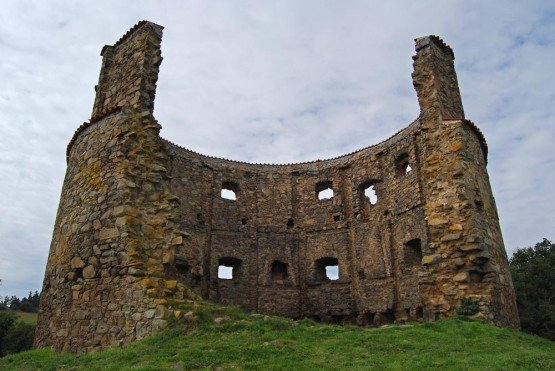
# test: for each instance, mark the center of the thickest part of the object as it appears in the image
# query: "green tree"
(7, 320)
(2, 305)
(533, 272)
(18, 338)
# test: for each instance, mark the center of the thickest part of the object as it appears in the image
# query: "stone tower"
(142, 224)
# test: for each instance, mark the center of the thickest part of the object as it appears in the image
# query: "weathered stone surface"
(436, 222)
(472, 247)
(461, 277)
(89, 272)
(431, 259)
(107, 233)
(148, 223)
(459, 262)
(451, 237)
(149, 313)
(77, 263)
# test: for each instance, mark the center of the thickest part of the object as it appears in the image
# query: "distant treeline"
(16, 335)
(533, 272)
(30, 304)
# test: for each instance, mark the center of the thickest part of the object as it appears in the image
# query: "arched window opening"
(324, 190)
(327, 269)
(402, 165)
(413, 253)
(290, 223)
(279, 271)
(230, 190)
(228, 268)
(368, 189)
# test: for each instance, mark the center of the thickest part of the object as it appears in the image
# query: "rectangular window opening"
(332, 272)
(225, 273)
(228, 194)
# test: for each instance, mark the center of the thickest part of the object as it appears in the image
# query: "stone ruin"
(400, 231)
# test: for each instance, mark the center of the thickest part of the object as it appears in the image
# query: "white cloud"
(273, 82)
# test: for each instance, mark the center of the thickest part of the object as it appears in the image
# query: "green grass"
(261, 342)
(30, 318)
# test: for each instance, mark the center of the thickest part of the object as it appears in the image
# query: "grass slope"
(261, 342)
(30, 318)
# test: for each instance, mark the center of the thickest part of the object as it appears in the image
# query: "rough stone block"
(451, 237)
(431, 259)
(77, 263)
(89, 272)
(461, 277)
(107, 233)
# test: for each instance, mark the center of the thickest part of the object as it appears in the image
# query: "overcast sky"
(273, 81)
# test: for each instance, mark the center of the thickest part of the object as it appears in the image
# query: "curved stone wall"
(277, 217)
(142, 224)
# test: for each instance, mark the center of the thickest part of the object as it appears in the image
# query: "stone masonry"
(142, 224)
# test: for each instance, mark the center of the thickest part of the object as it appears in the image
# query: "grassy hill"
(30, 318)
(223, 338)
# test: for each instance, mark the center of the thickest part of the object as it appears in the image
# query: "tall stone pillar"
(108, 279)
(467, 257)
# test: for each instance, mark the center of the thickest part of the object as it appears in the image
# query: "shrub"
(18, 338)
(7, 319)
(468, 307)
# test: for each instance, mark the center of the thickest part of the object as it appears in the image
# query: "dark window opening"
(387, 317)
(419, 312)
(200, 219)
(402, 165)
(369, 318)
(337, 218)
(230, 190)
(327, 269)
(290, 223)
(244, 221)
(324, 190)
(475, 276)
(228, 268)
(336, 319)
(316, 318)
(413, 253)
(182, 267)
(279, 271)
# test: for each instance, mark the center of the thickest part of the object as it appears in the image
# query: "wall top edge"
(157, 28)
(422, 42)
(319, 161)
